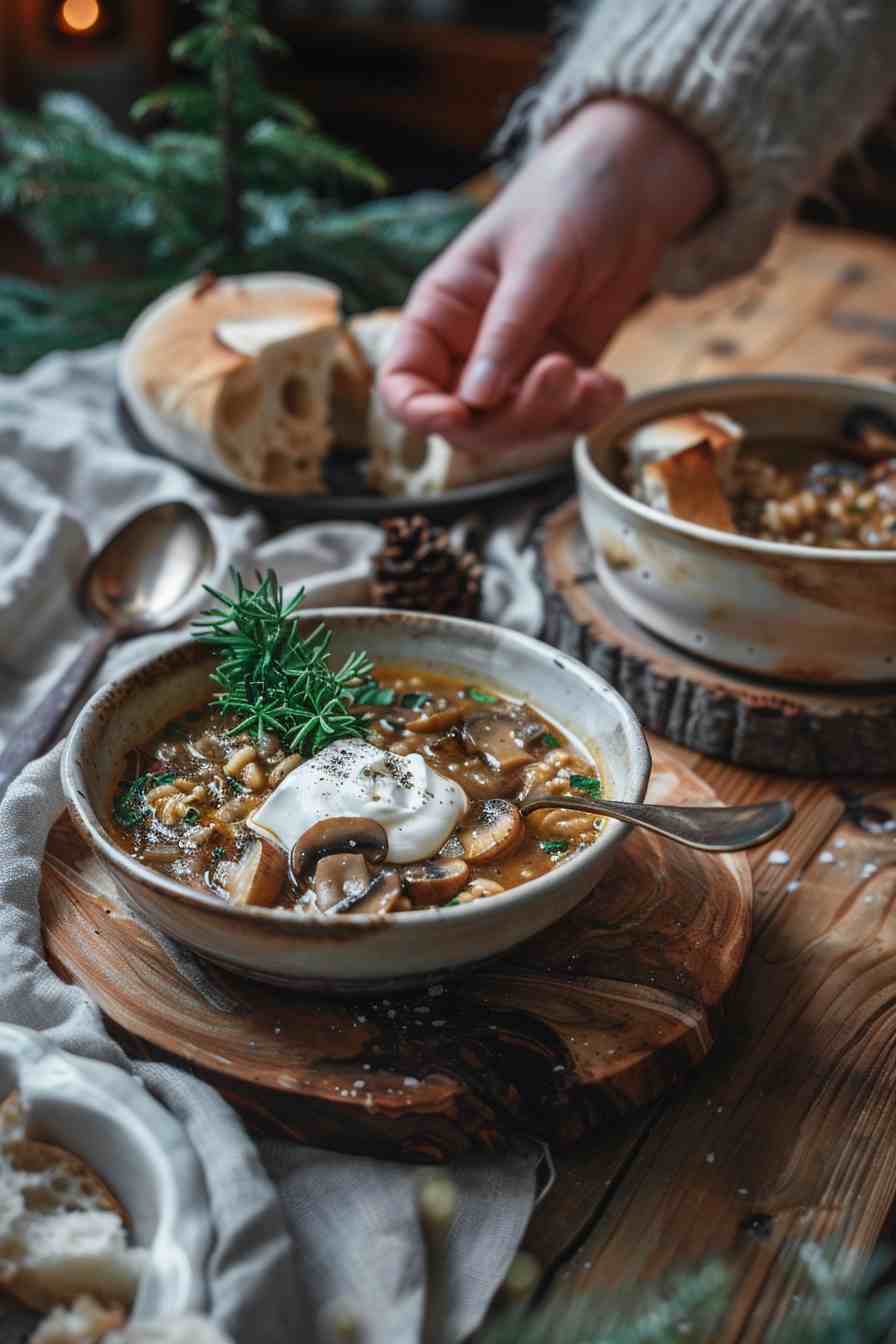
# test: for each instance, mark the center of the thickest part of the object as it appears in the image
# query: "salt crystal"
(559, 1068)
(868, 869)
(825, 856)
(779, 856)
(710, 1157)
(792, 884)
(742, 1190)
(412, 1082)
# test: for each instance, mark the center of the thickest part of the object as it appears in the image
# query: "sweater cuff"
(775, 89)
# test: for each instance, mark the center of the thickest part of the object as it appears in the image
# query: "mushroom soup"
(419, 809)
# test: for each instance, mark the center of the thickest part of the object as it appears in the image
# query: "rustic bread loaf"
(237, 372)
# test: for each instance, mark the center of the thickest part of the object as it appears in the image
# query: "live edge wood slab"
(598, 1015)
(802, 730)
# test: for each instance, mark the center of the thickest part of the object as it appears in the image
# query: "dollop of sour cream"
(417, 807)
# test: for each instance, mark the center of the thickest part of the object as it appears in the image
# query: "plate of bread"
(259, 385)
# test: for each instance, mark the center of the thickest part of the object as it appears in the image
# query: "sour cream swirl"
(417, 807)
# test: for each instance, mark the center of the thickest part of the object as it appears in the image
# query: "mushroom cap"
(381, 896)
(501, 739)
(497, 828)
(337, 877)
(258, 878)
(337, 835)
(434, 881)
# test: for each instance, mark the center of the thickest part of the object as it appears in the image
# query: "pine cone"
(418, 570)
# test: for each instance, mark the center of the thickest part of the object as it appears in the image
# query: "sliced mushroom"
(259, 876)
(496, 829)
(381, 896)
(501, 739)
(870, 433)
(337, 835)
(339, 877)
(434, 881)
(439, 721)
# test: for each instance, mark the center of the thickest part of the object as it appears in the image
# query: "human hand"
(500, 335)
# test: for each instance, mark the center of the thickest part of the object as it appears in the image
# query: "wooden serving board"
(746, 720)
(599, 1014)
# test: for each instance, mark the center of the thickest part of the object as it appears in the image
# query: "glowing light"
(79, 16)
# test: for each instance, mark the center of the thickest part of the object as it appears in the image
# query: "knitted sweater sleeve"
(776, 89)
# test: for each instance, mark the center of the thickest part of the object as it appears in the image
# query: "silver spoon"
(719, 829)
(139, 582)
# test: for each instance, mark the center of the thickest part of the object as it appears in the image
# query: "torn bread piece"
(62, 1231)
(659, 439)
(233, 376)
(687, 485)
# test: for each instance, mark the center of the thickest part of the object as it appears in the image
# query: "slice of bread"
(270, 418)
(687, 485)
(659, 439)
(86, 1321)
(237, 373)
(62, 1231)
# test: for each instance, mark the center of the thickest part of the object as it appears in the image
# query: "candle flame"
(79, 16)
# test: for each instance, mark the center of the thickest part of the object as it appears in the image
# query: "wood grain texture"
(786, 1135)
(712, 710)
(598, 1015)
(823, 301)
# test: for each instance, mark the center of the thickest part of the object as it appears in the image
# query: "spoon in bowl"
(718, 829)
(140, 582)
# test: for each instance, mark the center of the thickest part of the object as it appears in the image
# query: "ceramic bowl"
(788, 612)
(106, 1117)
(354, 953)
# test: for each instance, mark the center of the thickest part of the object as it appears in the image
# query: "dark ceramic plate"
(349, 498)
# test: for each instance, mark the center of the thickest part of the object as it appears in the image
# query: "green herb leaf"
(190, 816)
(218, 853)
(482, 696)
(372, 693)
(272, 678)
(550, 740)
(235, 786)
(589, 784)
(415, 699)
(455, 901)
(129, 806)
(554, 846)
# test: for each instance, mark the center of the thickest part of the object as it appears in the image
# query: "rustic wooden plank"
(786, 1134)
(586, 1177)
(823, 301)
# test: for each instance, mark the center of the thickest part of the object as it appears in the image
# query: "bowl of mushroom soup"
(381, 846)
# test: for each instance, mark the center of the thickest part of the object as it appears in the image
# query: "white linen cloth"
(295, 1227)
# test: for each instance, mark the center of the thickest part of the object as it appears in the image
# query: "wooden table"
(788, 1133)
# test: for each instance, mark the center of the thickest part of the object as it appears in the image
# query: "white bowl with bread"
(259, 384)
(102, 1198)
(751, 521)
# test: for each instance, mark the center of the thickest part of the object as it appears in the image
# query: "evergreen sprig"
(274, 678)
(231, 178)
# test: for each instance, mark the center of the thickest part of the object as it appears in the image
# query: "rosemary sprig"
(272, 677)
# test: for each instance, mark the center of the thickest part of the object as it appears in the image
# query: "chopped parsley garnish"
(218, 853)
(455, 901)
(372, 693)
(235, 786)
(190, 816)
(554, 846)
(129, 806)
(415, 699)
(550, 740)
(482, 696)
(589, 784)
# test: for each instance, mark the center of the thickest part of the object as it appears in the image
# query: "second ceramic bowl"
(792, 613)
